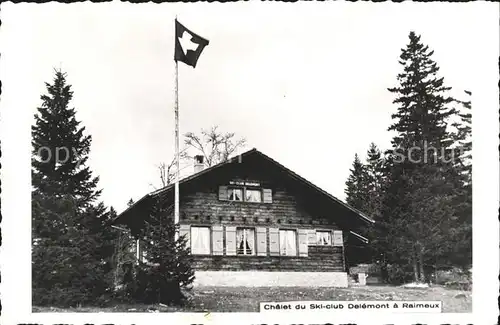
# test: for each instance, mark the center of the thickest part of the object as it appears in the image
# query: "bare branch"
(168, 172)
(215, 146)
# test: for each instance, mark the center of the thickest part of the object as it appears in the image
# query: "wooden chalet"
(251, 221)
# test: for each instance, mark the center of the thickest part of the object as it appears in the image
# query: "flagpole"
(181, 54)
(176, 207)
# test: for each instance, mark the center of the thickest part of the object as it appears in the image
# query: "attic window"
(253, 195)
(324, 238)
(245, 194)
(235, 194)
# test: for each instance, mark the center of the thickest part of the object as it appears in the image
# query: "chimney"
(198, 164)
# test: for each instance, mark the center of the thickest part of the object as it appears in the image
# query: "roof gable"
(254, 153)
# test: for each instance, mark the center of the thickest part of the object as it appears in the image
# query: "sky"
(305, 83)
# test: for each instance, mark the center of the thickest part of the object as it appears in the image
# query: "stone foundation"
(270, 279)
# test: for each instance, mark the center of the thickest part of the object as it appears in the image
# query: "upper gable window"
(252, 195)
(235, 194)
(324, 238)
(244, 193)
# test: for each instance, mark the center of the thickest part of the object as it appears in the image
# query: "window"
(288, 243)
(323, 238)
(253, 195)
(245, 239)
(235, 194)
(200, 240)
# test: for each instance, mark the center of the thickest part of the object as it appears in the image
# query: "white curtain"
(245, 239)
(250, 238)
(288, 242)
(235, 194)
(200, 240)
(240, 245)
(283, 242)
(323, 238)
(253, 196)
(291, 243)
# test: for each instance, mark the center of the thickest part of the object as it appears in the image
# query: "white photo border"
(15, 256)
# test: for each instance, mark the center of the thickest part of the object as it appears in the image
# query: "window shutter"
(274, 243)
(184, 230)
(311, 237)
(230, 240)
(303, 233)
(223, 193)
(261, 242)
(217, 245)
(267, 195)
(337, 238)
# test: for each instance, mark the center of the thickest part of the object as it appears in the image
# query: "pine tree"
(72, 245)
(165, 274)
(357, 185)
(461, 252)
(365, 190)
(357, 195)
(463, 138)
(123, 259)
(419, 216)
(375, 170)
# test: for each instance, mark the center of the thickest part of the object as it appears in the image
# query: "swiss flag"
(188, 45)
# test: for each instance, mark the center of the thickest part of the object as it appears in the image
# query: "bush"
(451, 275)
(454, 278)
(398, 274)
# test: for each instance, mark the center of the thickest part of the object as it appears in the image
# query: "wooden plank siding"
(205, 209)
(286, 204)
(320, 259)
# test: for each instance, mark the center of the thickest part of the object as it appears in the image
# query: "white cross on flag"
(188, 45)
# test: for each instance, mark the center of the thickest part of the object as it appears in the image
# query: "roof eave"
(130, 208)
(253, 150)
(358, 236)
(300, 178)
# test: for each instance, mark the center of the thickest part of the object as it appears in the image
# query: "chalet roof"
(253, 151)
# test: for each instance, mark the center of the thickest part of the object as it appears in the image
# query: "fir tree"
(72, 245)
(419, 216)
(357, 185)
(375, 170)
(463, 138)
(462, 250)
(365, 189)
(124, 258)
(165, 274)
(357, 196)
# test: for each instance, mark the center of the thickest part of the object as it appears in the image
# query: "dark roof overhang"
(142, 205)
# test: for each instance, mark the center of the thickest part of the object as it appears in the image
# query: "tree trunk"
(415, 267)
(421, 264)
(436, 275)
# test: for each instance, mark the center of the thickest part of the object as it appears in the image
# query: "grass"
(247, 299)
